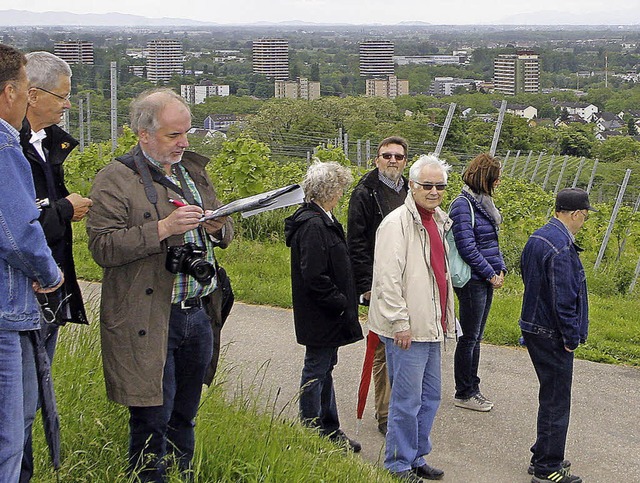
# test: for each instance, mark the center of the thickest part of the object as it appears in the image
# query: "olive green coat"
(136, 289)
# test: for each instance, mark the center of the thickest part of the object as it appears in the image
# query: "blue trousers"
(474, 303)
(317, 395)
(157, 431)
(554, 368)
(11, 410)
(416, 391)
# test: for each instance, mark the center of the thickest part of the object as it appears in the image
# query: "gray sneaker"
(474, 403)
(482, 396)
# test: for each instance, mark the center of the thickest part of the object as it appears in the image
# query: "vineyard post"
(515, 162)
(535, 170)
(593, 175)
(548, 175)
(496, 133)
(635, 277)
(445, 128)
(359, 152)
(114, 106)
(506, 158)
(526, 164)
(580, 166)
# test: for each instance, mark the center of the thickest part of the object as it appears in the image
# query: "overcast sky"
(351, 11)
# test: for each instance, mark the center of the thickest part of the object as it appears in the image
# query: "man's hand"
(180, 221)
(214, 225)
(80, 205)
(38, 288)
(402, 339)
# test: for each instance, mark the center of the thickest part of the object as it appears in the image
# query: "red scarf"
(438, 264)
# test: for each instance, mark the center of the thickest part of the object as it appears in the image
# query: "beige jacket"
(404, 291)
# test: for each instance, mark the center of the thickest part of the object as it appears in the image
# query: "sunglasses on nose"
(388, 156)
(430, 186)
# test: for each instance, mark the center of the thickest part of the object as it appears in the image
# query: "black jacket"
(56, 218)
(367, 208)
(325, 307)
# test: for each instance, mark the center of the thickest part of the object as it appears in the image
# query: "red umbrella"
(365, 378)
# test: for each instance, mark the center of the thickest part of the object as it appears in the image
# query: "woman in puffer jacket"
(476, 238)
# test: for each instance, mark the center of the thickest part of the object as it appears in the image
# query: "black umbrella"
(50, 418)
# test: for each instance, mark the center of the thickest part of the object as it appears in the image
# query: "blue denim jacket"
(555, 287)
(24, 254)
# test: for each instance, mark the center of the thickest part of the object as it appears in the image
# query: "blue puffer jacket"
(477, 244)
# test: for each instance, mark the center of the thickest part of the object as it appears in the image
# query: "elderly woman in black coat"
(325, 305)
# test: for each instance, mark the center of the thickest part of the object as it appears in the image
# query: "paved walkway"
(604, 435)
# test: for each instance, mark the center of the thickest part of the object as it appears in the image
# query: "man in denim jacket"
(26, 264)
(554, 321)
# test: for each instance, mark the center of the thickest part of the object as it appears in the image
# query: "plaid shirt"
(185, 286)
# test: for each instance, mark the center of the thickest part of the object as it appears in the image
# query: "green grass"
(240, 436)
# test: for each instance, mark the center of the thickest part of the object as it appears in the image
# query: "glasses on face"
(62, 98)
(388, 156)
(430, 186)
(585, 214)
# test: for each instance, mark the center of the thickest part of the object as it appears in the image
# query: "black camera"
(189, 259)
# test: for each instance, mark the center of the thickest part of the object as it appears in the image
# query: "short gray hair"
(145, 108)
(45, 69)
(324, 180)
(428, 160)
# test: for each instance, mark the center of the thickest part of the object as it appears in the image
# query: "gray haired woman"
(325, 305)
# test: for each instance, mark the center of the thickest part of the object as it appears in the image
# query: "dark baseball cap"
(572, 199)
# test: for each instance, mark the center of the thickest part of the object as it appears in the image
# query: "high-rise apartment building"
(164, 59)
(74, 51)
(516, 73)
(271, 58)
(302, 88)
(376, 58)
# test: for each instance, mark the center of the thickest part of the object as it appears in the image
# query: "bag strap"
(473, 217)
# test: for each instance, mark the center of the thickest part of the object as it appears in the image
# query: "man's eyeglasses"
(62, 98)
(430, 186)
(388, 156)
(584, 213)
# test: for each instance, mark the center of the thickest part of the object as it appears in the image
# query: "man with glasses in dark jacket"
(377, 194)
(46, 146)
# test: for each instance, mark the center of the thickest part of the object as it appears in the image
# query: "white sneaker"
(475, 403)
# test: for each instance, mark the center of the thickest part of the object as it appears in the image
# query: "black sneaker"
(566, 464)
(340, 438)
(560, 476)
(428, 472)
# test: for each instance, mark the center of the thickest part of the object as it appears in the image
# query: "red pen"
(177, 203)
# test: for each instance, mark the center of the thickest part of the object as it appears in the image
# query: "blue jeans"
(169, 429)
(554, 368)
(31, 389)
(474, 303)
(416, 392)
(11, 411)
(317, 396)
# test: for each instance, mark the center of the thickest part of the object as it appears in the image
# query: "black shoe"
(340, 438)
(382, 427)
(560, 476)
(566, 464)
(428, 472)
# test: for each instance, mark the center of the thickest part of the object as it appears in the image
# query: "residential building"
(271, 58)
(582, 109)
(164, 59)
(196, 94)
(390, 87)
(608, 121)
(528, 112)
(74, 51)
(376, 58)
(516, 73)
(446, 86)
(302, 88)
